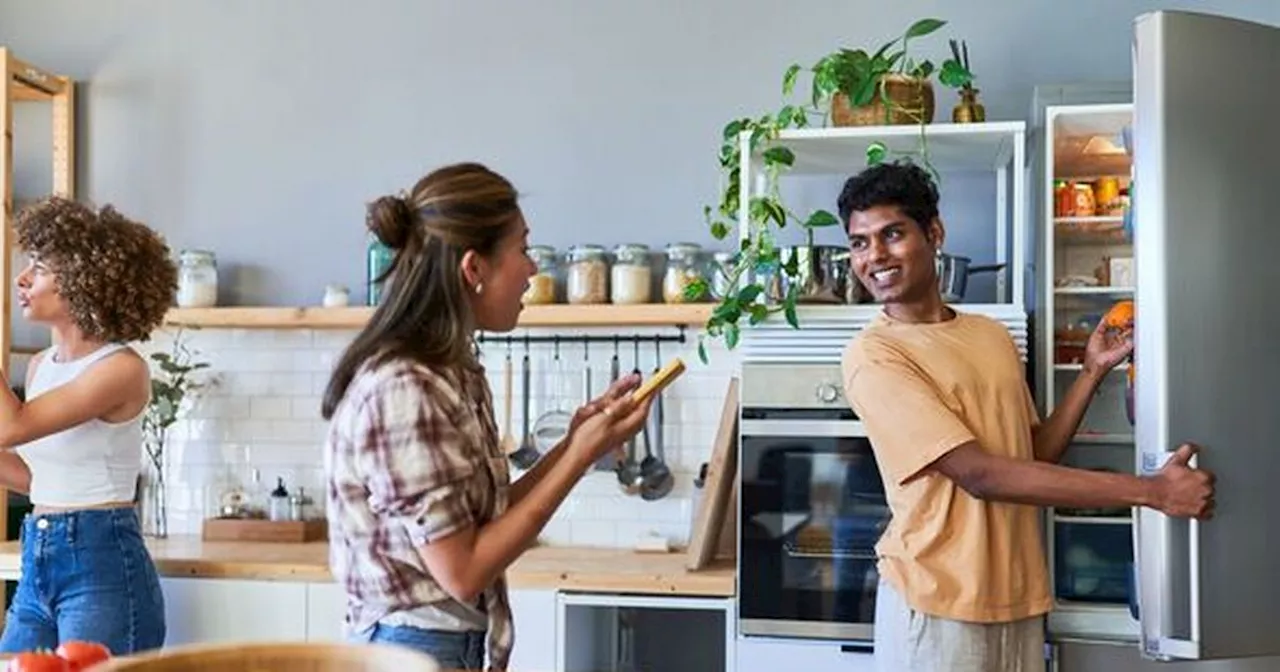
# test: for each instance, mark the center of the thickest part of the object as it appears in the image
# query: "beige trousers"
(909, 641)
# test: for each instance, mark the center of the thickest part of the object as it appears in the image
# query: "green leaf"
(765, 208)
(876, 152)
(719, 230)
(821, 218)
(731, 334)
(728, 311)
(954, 75)
(924, 27)
(747, 295)
(789, 311)
(780, 155)
(864, 93)
(789, 79)
(702, 352)
(732, 129)
(759, 313)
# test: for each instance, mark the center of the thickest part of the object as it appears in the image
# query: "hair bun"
(391, 220)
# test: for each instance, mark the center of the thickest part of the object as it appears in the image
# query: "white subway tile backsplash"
(263, 413)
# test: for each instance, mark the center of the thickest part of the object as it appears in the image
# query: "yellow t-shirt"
(922, 390)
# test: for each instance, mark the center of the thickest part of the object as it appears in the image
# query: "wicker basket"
(274, 657)
(912, 100)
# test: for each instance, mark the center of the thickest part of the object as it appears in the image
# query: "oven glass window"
(813, 509)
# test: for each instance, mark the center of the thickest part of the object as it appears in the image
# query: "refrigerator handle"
(1178, 647)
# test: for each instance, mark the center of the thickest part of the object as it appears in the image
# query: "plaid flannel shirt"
(413, 455)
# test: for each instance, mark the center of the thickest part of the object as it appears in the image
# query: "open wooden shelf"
(354, 317)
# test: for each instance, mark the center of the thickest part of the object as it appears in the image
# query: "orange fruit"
(1120, 316)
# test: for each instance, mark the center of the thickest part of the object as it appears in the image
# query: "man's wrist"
(1150, 492)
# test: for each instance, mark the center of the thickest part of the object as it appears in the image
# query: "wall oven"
(812, 507)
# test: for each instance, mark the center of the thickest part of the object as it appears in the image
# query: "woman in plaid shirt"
(423, 518)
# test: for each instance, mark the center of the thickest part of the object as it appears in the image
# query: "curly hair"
(902, 184)
(115, 274)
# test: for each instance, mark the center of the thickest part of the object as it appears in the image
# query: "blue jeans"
(452, 650)
(85, 575)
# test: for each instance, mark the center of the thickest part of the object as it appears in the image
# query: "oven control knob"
(827, 393)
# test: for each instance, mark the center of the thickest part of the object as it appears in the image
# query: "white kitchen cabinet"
(770, 655)
(326, 611)
(230, 610)
(623, 632)
(534, 614)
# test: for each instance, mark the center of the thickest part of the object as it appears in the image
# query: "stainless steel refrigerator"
(1206, 230)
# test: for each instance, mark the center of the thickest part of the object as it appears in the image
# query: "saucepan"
(953, 274)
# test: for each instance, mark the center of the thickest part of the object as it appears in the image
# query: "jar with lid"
(588, 275)
(197, 279)
(631, 275)
(721, 272)
(682, 271)
(542, 286)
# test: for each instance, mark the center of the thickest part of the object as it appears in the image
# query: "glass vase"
(153, 500)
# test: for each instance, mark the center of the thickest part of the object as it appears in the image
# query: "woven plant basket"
(912, 100)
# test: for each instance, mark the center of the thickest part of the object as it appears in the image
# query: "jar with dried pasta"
(631, 275)
(542, 286)
(587, 278)
(683, 270)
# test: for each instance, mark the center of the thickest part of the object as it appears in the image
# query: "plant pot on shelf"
(969, 110)
(910, 102)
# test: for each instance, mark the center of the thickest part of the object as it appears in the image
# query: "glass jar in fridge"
(631, 275)
(682, 272)
(542, 286)
(587, 278)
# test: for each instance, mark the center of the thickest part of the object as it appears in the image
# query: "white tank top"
(92, 463)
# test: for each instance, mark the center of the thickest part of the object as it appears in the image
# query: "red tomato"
(38, 661)
(83, 655)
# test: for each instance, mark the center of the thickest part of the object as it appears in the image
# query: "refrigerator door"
(1207, 236)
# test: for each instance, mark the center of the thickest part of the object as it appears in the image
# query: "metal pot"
(953, 274)
(822, 273)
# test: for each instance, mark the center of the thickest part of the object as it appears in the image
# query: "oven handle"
(802, 428)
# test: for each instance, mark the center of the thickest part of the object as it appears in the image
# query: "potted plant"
(968, 110)
(870, 85)
(170, 387)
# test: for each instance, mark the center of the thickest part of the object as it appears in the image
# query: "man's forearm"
(1045, 484)
(1054, 435)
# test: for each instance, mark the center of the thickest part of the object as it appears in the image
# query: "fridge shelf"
(1092, 520)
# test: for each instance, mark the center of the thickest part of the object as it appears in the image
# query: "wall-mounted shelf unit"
(354, 317)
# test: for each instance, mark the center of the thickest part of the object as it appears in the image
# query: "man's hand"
(1107, 347)
(1182, 491)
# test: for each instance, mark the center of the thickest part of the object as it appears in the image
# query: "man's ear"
(937, 233)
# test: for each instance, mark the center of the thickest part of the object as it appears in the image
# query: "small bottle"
(279, 504)
(298, 505)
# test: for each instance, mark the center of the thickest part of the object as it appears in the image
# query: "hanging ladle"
(657, 480)
(629, 476)
(527, 454)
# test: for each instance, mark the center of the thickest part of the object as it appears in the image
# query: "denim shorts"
(451, 650)
(86, 575)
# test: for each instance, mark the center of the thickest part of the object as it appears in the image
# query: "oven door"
(812, 509)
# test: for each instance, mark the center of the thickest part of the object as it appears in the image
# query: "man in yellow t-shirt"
(965, 460)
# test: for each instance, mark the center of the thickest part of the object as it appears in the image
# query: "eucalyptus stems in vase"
(171, 385)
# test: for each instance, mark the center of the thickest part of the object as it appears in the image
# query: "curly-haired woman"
(98, 281)
(423, 519)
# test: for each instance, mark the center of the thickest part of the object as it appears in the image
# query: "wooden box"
(252, 529)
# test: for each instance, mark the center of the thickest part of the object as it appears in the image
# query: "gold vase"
(969, 110)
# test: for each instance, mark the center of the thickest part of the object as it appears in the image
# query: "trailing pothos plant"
(859, 76)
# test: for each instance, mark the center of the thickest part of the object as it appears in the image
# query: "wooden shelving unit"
(26, 83)
(559, 315)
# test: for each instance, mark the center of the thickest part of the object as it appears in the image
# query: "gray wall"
(259, 129)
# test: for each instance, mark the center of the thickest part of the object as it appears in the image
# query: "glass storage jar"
(542, 286)
(721, 271)
(631, 275)
(588, 275)
(197, 279)
(682, 271)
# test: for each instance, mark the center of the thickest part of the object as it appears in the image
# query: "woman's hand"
(620, 387)
(609, 428)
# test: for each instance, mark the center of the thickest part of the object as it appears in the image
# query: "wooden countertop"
(558, 567)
